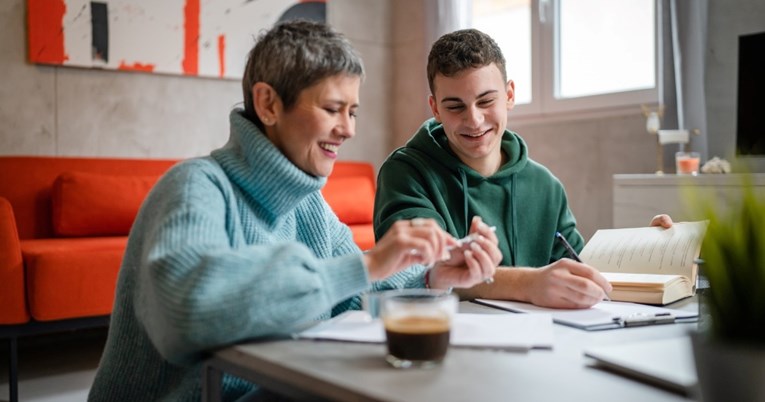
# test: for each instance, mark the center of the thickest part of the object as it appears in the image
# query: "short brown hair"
(460, 50)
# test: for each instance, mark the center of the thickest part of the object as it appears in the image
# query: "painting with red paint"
(186, 37)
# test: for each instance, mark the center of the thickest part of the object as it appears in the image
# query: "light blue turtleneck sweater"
(234, 246)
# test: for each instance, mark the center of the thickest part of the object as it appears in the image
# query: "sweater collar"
(259, 169)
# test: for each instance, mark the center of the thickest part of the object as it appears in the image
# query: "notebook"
(667, 363)
(604, 315)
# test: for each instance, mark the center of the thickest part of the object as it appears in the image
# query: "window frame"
(545, 75)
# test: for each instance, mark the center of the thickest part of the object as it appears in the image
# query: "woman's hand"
(471, 263)
(407, 242)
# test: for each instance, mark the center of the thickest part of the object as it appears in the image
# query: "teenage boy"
(464, 163)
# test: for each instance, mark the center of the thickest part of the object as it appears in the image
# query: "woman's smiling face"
(324, 116)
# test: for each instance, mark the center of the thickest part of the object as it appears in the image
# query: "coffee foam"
(417, 324)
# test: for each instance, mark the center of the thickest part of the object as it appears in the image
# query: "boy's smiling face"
(472, 106)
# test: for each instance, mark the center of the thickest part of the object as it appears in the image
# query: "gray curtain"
(682, 66)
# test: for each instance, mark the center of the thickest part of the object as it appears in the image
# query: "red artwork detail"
(191, 37)
(46, 31)
(136, 67)
(222, 55)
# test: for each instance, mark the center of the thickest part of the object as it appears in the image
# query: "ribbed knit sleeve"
(412, 277)
(213, 275)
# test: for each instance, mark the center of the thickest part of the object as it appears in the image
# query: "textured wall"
(69, 111)
(367, 24)
(66, 111)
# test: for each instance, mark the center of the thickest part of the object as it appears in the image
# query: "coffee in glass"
(417, 326)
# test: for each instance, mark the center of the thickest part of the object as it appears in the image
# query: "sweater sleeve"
(199, 288)
(412, 277)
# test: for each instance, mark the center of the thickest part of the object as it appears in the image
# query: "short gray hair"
(293, 56)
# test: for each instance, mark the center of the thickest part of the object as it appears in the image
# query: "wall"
(68, 111)
(727, 20)
(367, 25)
(65, 111)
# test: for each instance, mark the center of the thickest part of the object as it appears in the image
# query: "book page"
(658, 281)
(650, 250)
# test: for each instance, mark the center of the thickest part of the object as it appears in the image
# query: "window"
(574, 55)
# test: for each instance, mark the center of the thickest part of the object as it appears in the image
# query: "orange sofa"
(63, 231)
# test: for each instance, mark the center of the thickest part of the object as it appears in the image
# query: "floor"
(54, 368)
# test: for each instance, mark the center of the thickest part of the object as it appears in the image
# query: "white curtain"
(446, 16)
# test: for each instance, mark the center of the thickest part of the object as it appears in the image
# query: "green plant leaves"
(734, 262)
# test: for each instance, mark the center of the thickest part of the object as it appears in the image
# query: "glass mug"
(417, 326)
(687, 162)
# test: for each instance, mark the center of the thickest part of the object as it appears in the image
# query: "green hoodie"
(524, 200)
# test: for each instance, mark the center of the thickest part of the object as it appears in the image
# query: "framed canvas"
(187, 37)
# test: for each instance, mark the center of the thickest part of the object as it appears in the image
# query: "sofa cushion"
(92, 204)
(352, 198)
(363, 235)
(13, 308)
(68, 278)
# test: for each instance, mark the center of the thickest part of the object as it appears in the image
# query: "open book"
(649, 265)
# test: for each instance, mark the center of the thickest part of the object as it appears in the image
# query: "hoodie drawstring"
(513, 224)
(463, 177)
(513, 230)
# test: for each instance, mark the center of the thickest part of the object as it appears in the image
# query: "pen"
(570, 250)
(467, 240)
(461, 242)
(572, 254)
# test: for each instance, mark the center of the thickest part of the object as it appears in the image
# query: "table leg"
(212, 378)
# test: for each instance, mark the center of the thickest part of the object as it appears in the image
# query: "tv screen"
(750, 131)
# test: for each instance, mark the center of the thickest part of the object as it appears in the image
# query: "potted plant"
(730, 352)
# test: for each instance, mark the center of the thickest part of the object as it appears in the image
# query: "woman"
(241, 245)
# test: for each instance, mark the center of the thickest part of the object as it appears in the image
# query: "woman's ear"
(265, 99)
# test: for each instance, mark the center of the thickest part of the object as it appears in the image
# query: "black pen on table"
(572, 253)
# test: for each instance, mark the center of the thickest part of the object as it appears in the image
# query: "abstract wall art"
(205, 38)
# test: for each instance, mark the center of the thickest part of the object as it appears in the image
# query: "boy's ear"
(434, 108)
(510, 94)
(266, 102)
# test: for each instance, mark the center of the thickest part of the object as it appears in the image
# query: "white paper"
(505, 331)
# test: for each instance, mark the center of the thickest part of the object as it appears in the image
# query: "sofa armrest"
(13, 309)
